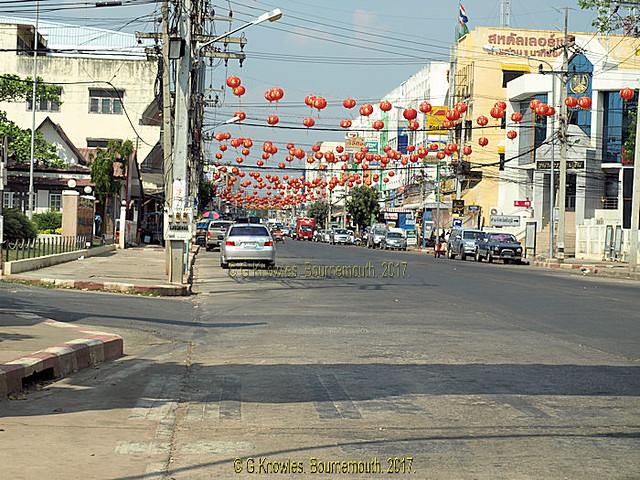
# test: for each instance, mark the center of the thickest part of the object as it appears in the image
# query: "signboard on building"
(504, 220)
(457, 207)
(353, 142)
(433, 121)
(390, 216)
(373, 146)
(522, 203)
(403, 139)
(571, 165)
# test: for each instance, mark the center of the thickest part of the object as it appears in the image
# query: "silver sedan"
(248, 243)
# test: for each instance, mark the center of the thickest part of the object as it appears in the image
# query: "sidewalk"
(35, 349)
(133, 270)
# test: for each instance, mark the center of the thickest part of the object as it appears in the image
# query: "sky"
(330, 48)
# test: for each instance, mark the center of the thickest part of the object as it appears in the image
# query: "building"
(103, 95)
(491, 59)
(599, 172)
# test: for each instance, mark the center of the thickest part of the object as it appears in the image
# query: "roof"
(58, 129)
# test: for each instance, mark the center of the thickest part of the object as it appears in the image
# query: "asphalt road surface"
(343, 363)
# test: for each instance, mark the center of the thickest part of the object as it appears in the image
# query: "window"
(508, 75)
(45, 105)
(55, 201)
(250, 232)
(97, 142)
(8, 200)
(580, 78)
(105, 101)
(616, 126)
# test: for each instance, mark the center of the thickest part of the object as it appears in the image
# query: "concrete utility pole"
(3, 173)
(167, 146)
(564, 120)
(635, 202)
(182, 131)
(33, 110)
(505, 13)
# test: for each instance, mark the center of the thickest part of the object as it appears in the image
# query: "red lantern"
(233, 82)
(309, 99)
(410, 114)
(551, 112)
(378, 125)
(339, 149)
(571, 102)
(440, 155)
(413, 125)
(219, 156)
(512, 134)
(482, 121)
(467, 150)
(349, 103)
(247, 142)
(453, 115)
(239, 91)
(319, 103)
(533, 104)
(584, 103)
(345, 123)
(245, 151)
(385, 106)
(272, 119)
(500, 105)
(627, 94)
(223, 148)
(411, 148)
(483, 141)
(277, 93)
(497, 112)
(240, 115)
(309, 122)
(461, 107)
(516, 117)
(433, 147)
(391, 173)
(542, 110)
(366, 110)
(425, 107)
(447, 124)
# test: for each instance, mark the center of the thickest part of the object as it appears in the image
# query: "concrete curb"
(113, 287)
(60, 360)
(588, 269)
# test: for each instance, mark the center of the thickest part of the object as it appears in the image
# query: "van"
(376, 235)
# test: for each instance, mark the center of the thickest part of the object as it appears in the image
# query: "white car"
(248, 243)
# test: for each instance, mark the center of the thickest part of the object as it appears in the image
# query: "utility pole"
(3, 173)
(564, 120)
(182, 133)
(33, 110)
(635, 202)
(505, 13)
(167, 146)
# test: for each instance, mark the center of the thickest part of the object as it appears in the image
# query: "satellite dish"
(494, 211)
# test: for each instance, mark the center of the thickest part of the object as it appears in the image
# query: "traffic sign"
(457, 222)
(522, 203)
(473, 207)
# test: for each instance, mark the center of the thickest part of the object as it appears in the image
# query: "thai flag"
(462, 18)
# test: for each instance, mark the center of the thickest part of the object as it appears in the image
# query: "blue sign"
(473, 207)
(403, 140)
(457, 222)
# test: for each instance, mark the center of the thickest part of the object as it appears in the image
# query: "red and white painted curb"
(94, 347)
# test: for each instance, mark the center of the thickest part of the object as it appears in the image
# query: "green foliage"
(17, 226)
(102, 166)
(629, 147)
(13, 88)
(48, 222)
(362, 205)
(205, 194)
(607, 19)
(319, 211)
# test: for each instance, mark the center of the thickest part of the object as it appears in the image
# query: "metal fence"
(42, 246)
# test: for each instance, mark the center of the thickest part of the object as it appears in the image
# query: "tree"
(15, 89)
(362, 205)
(48, 222)
(319, 211)
(607, 17)
(205, 193)
(629, 147)
(17, 226)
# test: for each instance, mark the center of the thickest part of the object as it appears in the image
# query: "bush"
(17, 226)
(48, 222)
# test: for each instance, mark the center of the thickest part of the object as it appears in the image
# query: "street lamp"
(272, 16)
(493, 49)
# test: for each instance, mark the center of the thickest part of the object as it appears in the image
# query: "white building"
(103, 95)
(598, 183)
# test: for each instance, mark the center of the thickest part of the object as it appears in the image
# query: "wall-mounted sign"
(353, 143)
(433, 121)
(571, 165)
(504, 220)
(522, 203)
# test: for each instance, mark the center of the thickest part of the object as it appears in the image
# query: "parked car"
(394, 240)
(462, 242)
(494, 246)
(248, 243)
(376, 235)
(216, 232)
(202, 227)
(340, 236)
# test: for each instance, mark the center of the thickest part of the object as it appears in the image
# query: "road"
(457, 370)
